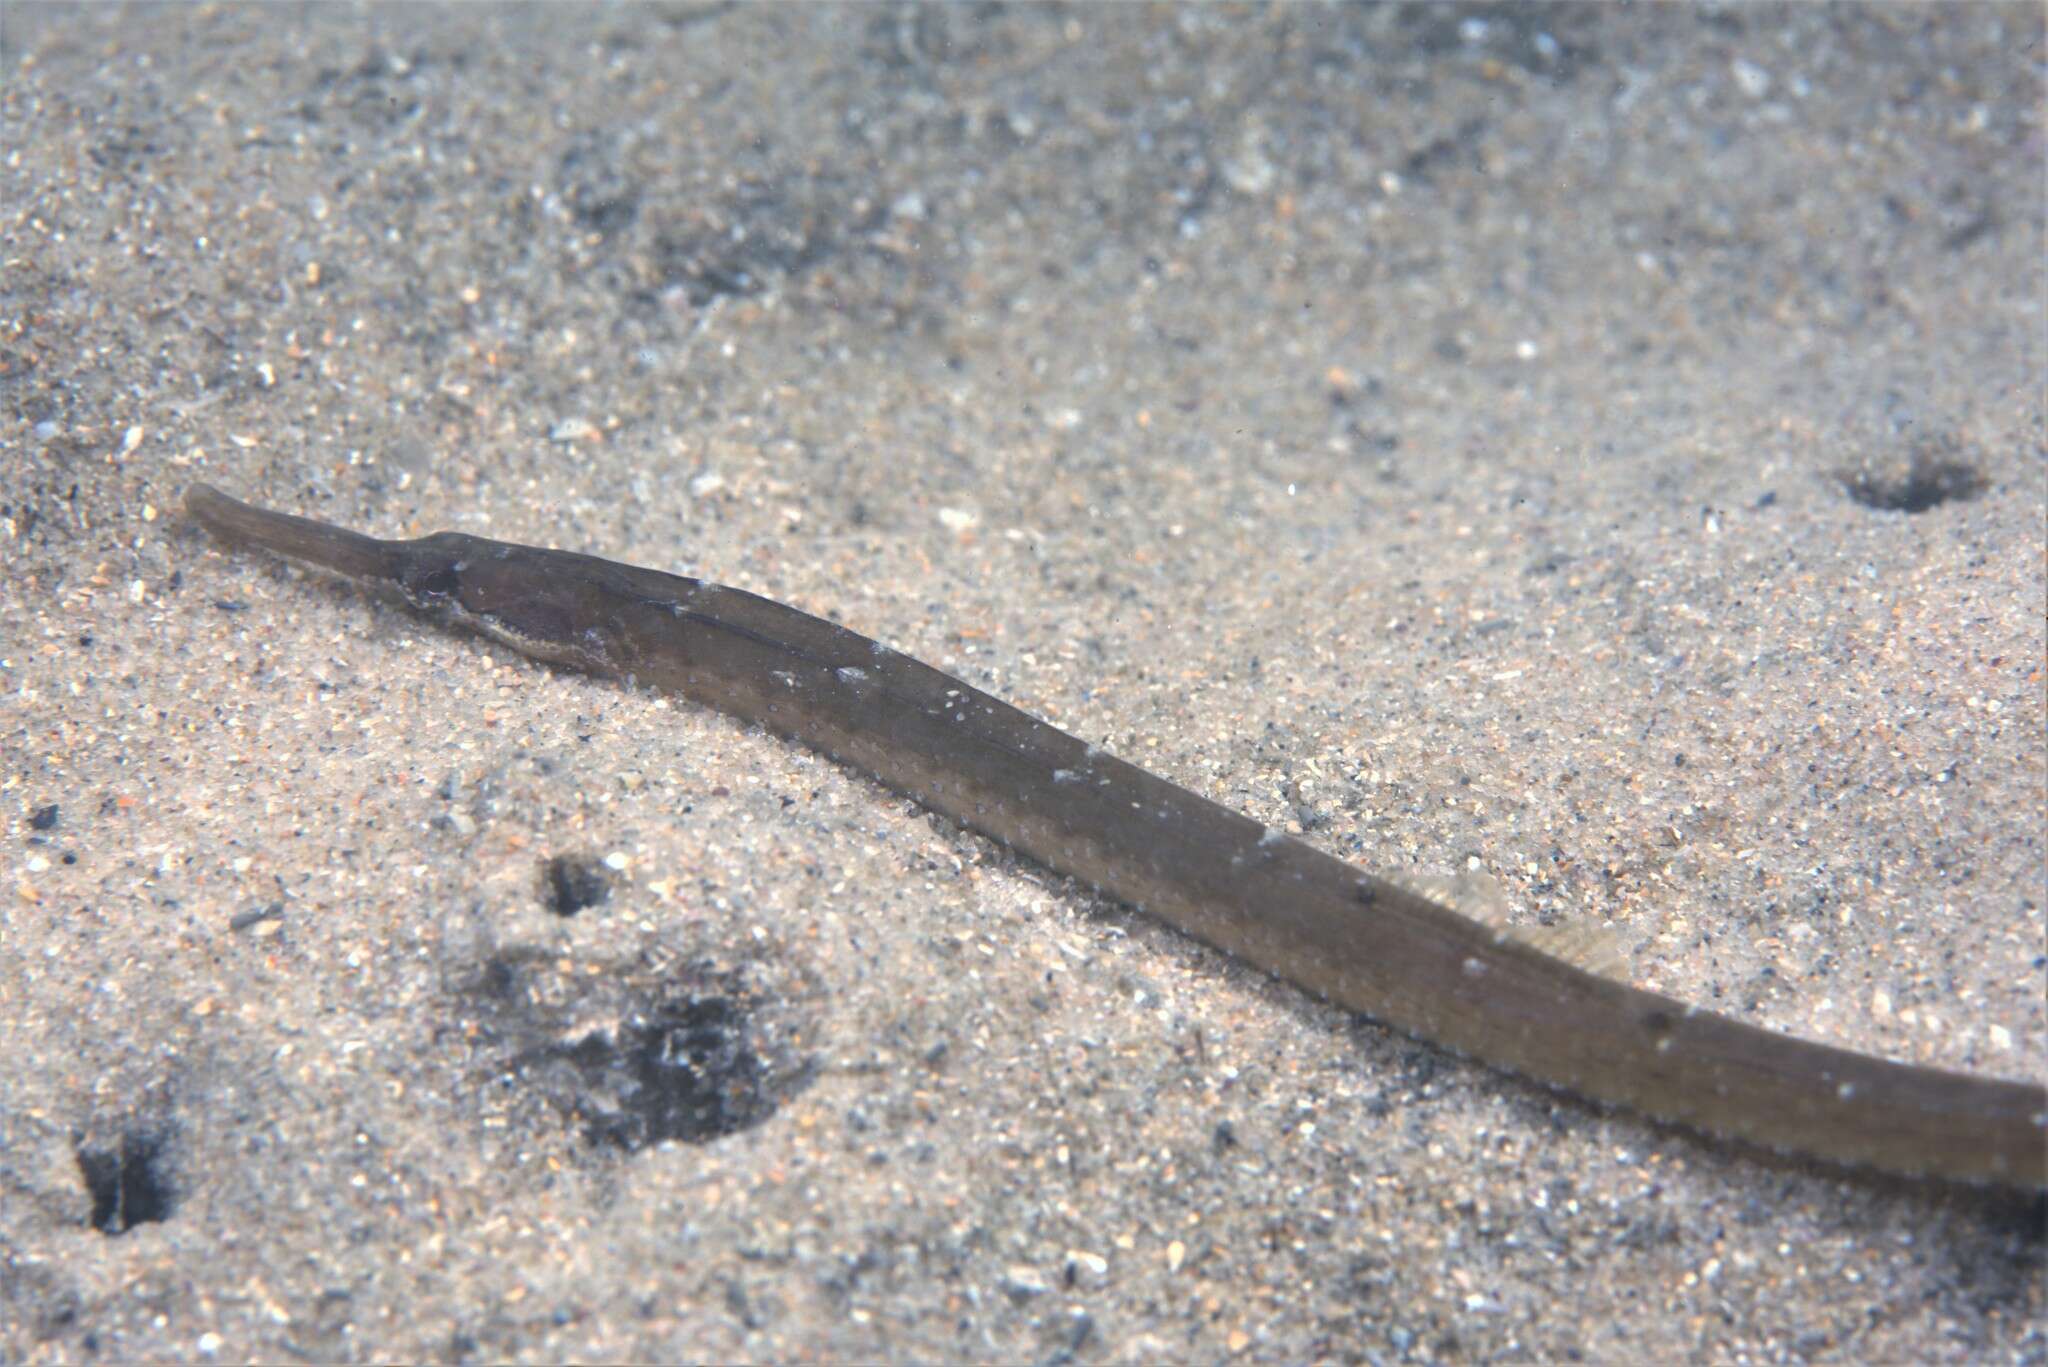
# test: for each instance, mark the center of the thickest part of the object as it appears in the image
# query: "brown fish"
(1365, 942)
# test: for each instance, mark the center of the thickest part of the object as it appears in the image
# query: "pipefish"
(1368, 943)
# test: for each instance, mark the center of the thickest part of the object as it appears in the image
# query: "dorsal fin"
(1481, 897)
(1585, 946)
(1473, 894)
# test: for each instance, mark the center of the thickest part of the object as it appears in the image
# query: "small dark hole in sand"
(571, 883)
(1927, 482)
(689, 1073)
(129, 1182)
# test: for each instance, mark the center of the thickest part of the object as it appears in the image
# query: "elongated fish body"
(1365, 942)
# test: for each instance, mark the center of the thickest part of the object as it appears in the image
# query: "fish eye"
(427, 585)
